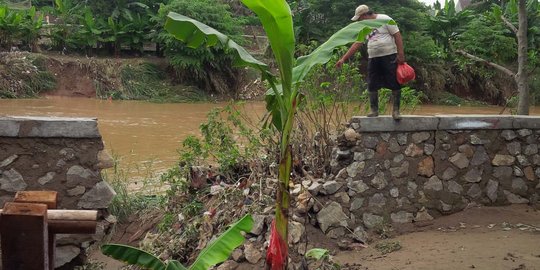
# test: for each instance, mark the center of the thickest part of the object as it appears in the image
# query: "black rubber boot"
(396, 96)
(373, 104)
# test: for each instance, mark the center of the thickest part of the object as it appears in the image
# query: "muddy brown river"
(145, 136)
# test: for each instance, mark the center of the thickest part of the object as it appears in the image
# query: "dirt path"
(480, 238)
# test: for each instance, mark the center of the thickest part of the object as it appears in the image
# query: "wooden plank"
(72, 226)
(46, 197)
(24, 236)
(61, 214)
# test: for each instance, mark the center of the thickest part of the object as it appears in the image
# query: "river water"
(145, 136)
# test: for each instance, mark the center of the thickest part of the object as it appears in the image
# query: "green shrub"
(208, 68)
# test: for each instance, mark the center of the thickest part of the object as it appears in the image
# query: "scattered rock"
(355, 168)
(351, 135)
(296, 230)
(402, 217)
(358, 186)
(513, 198)
(379, 181)
(357, 203)
(253, 254)
(65, 254)
(331, 215)
(8, 161)
(259, 222)
(228, 265)
(331, 187)
(372, 221)
(46, 178)
(12, 181)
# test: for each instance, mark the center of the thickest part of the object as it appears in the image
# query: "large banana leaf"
(220, 249)
(132, 255)
(356, 31)
(196, 34)
(276, 19)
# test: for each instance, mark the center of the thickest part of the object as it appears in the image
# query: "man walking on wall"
(385, 51)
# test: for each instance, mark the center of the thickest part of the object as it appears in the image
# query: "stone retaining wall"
(61, 154)
(424, 167)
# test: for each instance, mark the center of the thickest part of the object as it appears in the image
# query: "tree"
(521, 75)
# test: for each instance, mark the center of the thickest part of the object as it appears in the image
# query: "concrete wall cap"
(48, 127)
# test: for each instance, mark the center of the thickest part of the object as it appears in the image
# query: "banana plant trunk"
(277, 254)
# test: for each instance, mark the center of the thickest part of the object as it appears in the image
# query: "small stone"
(411, 188)
(377, 202)
(449, 173)
(394, 192)
(351, 135)
(296, 230)
(228, 265)
(513, 198)
(401, 171)
(12, 181)
(402, 138)
(372, 221)
(475, 140)
(529, 173)
(331, 187)
(398, 158)
(331, 215)
(360, 234)
(531, 149)
(46, 178)
(336, 233)
(65, 254)
(420, 137)
(514, 148)
(454, 187)
(99, 197)
(366, 155)
(474, 175)
(423, 215)
(357, 203)
(503, 160)
(379, 181)
(358, 186)
(371, 142)
(508, 135)
(343, 197)
(434, 183)
(428, 149)
(216, 189)
(523, 161)
(394, 146)
(370, 171)
(425, 167)
(460, 160)
(466, 149)
(355, 168)
(402, 217)
(315, 188)
(8, 161)
(517, 171)
(253, 255)
(519, 186)
(79, 190)
(491, 190)
(259, 222)
(446, 207)
(413, 151)
(480, 156)
(474, 191)
(238, 255)
(524, 132)
(502, 173)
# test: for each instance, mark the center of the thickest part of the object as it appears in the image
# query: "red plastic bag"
(277, 253)
(405, 73)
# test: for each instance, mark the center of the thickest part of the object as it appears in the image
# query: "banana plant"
(216, 252)
(283, 97)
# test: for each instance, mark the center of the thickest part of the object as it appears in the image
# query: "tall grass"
(129, 200)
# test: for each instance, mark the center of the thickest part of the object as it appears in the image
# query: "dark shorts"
(382, 73)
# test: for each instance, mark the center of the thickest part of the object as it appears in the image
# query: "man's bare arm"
(399, 45)
(352, 50)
